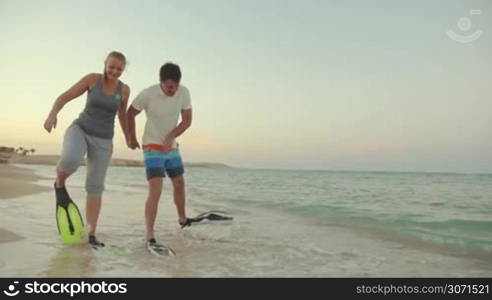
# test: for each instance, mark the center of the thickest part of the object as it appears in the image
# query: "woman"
(92, 133)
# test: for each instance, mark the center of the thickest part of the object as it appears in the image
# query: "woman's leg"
(98, 158)
(74, 149)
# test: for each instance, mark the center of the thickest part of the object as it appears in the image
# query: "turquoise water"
(452, 209)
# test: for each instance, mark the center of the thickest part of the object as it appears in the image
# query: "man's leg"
(175, 170)
(154, 168)
(151, 206)
(179, 197)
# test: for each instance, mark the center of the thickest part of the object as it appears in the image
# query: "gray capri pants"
(76, 144)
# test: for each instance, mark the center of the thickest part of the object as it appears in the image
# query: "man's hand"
(168, 144)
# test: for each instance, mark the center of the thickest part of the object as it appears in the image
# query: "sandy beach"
(15, 182)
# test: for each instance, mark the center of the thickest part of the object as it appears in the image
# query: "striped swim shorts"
(158, 163)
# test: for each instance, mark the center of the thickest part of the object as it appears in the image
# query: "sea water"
(287, 223)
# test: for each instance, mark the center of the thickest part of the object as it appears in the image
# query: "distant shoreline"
(8, 155)
(52, 160)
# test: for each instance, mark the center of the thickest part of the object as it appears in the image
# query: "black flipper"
(68, 219)
(213, 215)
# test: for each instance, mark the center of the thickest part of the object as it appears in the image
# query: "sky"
(335, 85)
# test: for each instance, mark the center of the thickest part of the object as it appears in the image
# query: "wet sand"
(15, 182)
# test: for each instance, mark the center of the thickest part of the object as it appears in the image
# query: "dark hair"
(170, 71)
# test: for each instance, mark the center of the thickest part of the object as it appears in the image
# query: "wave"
(466, 233)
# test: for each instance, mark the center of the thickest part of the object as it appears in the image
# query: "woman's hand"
(132, 144)
(50, 122)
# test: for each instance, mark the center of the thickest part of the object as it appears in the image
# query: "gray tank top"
(100, 110)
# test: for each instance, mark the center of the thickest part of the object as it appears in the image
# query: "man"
(163, 104)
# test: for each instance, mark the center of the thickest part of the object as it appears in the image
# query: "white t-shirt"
(162, 111)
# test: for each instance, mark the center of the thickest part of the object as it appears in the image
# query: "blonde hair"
(115, 54)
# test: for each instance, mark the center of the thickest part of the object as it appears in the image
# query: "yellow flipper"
(70, 224)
